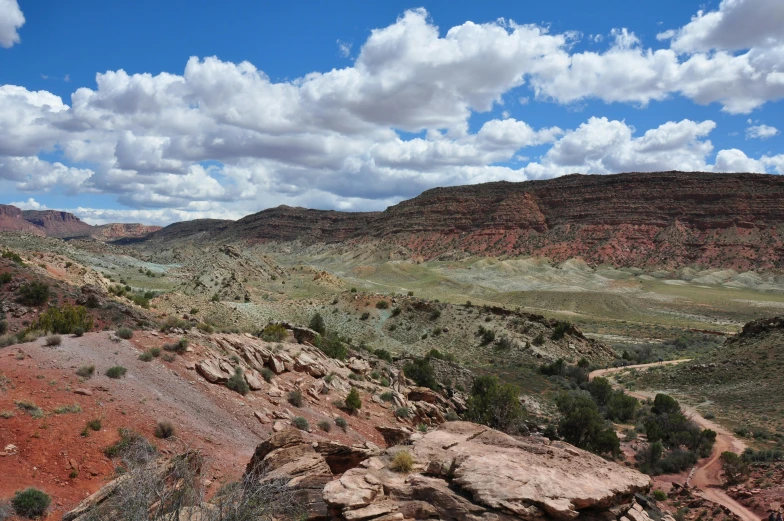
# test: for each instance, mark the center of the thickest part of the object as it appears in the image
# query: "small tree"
(494, 404)
(317, 324)
(353, 401)
(735, 469)
(34, 293)
(421, 372)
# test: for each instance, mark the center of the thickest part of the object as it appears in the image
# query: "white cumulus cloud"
(11, 19)
(761, 132)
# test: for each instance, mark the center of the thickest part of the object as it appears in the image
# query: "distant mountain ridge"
(64, 225)
(667, 219)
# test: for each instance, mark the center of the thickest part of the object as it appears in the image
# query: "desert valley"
(590, 346)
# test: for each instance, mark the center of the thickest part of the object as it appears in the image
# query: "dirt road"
(706, 477)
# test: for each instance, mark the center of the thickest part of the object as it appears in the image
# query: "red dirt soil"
(207, 417)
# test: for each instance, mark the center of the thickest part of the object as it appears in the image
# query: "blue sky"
(170, 110)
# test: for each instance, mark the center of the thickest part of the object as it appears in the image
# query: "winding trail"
(706, 476)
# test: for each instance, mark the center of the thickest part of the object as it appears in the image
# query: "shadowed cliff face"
(667, 219)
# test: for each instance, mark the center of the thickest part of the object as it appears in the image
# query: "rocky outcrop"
(115, 231)
(58, 224)
(462, 471)
(668, 219)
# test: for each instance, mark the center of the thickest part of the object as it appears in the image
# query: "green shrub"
(402, 462)
(295, 398)
(116, 372)
(353, 290)
(237, 382)
(538, 340)
(5, 277)
(396, 311)
(267, 374)
(402, 412)
(30, 503)
(353, 401)
(132, 446)
(33, 293)
(324, 425)
(179, 347)
(64, 320)
(659, 495)
(421, 372)
(583, 426)
(387, 396)
(164, 430)
(317, 324)
(53, 340)
(125, 332)
(94, 424)
(30, 408)
(65, 409)
(342, 423)
(8, 254)
(383, 354)
(451, 416)
(301, 423)
(494, 404)
(332, 346)
(560, 330)
(364, 316)
(382, 304)
(86, 371)
(78, 332)
(155, 351)
(435, 314)
(146, 356)
(274, 333)
(422, 427)
(735, 469)
(3, 327)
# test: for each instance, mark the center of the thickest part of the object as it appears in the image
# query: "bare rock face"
(467, 472)
(669, 219)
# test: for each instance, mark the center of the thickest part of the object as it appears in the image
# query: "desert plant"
(332, 345)
(317, 324)
(54, 340)
(30, 408)
(65, 409)
(33, 293)
(422, 427)
(402, 412)
(30, 503)
(402, 462)
(116, 372)
(125, 332)
(295, 398)
(237, 382)
(421, 372)
(387, 396)
(382, 304)
(94, 425)
(364, 316)
(86, 371)
(274, 333)
(78, 332)
(342, 423)
(560, 330)
(659, 495)
(324, 425)
(735, 469)
(267, 374)
(494, 404)
(146, 356)
(301, 423)
(164, 430)
(353, 401)
(451, 416)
